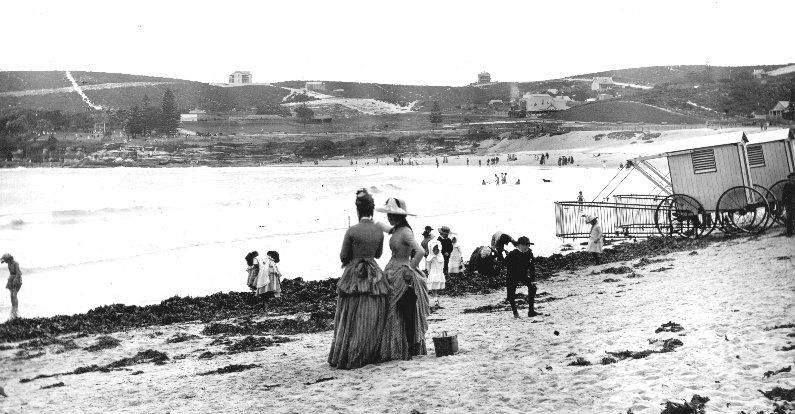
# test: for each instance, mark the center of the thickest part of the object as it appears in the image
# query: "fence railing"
(645, 199)
(616, 219)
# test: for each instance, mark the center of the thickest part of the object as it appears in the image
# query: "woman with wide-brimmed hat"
(408, 310)
(362, 292)
(595, 242)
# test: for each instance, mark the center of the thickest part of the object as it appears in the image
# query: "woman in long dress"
(407, 314)
(362, 292)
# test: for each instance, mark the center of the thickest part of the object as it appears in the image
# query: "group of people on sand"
(382, 315)
(264, 277)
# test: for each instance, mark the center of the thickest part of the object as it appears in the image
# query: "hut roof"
(771, 136)
(688, 144)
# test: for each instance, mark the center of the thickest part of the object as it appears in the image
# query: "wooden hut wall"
(776, 163)
(707, 187)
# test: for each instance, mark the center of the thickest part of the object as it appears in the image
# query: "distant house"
(484, 77)
(603, 97)
(496, 103)
(778, 110)
(602, 83)
(759, 73)
(315, 86)
(240, 77)
(552, 91)
(541, 102)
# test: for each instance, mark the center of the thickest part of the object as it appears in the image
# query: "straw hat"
(6, 258)
(589, 218)
(445, 230)
(394, 206)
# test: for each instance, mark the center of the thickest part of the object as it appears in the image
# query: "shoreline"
(625, 335)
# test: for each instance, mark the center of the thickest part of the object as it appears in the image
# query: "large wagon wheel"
(742, 209)
(682, 215)
(772, 201)
(780, 212)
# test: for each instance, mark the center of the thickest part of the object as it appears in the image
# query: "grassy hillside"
(22, 81)
(624, 111)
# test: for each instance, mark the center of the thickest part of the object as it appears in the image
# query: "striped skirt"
(360, 316)
(407, 314)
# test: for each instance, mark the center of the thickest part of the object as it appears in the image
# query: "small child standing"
(456, 264)
(521, 269)
(435, 265)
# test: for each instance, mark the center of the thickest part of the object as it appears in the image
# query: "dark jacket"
(519, 265)
(447, 245)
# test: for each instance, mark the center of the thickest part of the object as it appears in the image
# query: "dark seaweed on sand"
(149, 355)
(695, 406)
(230, 368)
(778, 393)
(317, 298)
(252, 343)
(181, 337)
(580, 361)
(57, 384)
(103, 342)
(616, 270)
(769, 374)
(669, 345)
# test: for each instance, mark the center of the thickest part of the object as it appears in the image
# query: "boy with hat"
(447, 245)
(521, 269)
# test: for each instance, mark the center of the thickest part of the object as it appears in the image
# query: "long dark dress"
(363, 296)
(406, 322)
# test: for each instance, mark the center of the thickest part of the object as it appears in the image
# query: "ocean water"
(89, 237)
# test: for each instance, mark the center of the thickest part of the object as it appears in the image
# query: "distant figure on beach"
(446, 245)
(518, 182)
(252, 269)
(14, 282)
(480, 163)
(579, 197)
(788, 201)
(520, 269)
(595, 242)
(269, 283)
(456, 263)
(604, 164)
(484, 182)
(362, 292)
(497, 179)
(408, 310)
(498, 242)
(436, 274)
(505, 178)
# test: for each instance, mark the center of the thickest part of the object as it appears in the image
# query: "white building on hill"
(778, 110)
(541, 102)
(602, 83)
(315, 86)
(240, 77)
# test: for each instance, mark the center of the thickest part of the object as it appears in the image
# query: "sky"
(425, 42)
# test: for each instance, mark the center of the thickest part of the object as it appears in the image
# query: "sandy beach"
(733, 299)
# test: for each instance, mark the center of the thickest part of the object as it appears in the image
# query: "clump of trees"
(436, 114)
(145, 119)
(304, 113)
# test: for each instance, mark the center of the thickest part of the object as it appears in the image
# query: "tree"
(789, 113)
(17, 126)
(304, 113)
(169, 115)
(133, 126)
(436, 114)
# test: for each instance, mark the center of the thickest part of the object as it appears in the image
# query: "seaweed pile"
(103, 342)
(695, 406)
(318, 298)
(150, 355)
(230, 368)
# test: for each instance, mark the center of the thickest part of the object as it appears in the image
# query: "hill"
(624, 111)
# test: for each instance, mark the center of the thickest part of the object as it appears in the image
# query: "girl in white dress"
(435, 266)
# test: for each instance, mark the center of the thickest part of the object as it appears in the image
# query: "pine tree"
(304, 113)
(436, 114)
(169, 116)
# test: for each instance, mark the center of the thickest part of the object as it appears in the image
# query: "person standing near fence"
(595, 243)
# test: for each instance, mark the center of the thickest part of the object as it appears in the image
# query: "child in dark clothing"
(520, 269)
